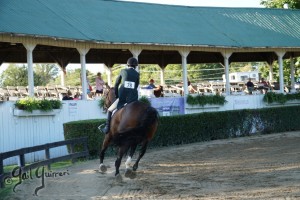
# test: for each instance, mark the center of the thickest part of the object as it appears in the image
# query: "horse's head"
(109, 97)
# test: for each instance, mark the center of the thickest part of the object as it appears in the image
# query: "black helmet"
(132, 62)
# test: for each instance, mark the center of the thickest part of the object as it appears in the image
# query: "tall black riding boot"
(107, 125)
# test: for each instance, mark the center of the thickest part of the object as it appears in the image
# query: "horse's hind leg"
(122, 150)
(128, 161)
(142, 152)
(105, 144)
(129, 173)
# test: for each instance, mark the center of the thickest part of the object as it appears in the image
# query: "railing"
(48, 161)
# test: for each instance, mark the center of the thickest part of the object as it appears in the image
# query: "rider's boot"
(107, 125)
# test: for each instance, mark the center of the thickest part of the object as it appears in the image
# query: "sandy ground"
(256, 167)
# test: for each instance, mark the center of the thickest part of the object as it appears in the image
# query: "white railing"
(24, 131)
(19, 131)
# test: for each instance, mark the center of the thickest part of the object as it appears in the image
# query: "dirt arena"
(256, 167)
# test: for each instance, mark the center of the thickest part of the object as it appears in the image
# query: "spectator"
(157, 90)
(250, 86)
(99, 85)
(76, 96)
(263, 86)
(68, 96)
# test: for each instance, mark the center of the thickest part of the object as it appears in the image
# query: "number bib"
(129, 84)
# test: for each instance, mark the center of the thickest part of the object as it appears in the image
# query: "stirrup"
(101, 127)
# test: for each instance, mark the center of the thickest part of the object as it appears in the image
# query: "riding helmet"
(132, 62)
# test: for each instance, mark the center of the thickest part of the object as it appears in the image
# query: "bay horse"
(134, 124)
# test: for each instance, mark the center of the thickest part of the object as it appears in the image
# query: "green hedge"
(182, 129)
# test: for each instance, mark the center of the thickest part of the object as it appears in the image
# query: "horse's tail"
(149, 117)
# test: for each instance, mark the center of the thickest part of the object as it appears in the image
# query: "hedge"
(183, 129)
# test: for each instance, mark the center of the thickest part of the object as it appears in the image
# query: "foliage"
(87, 128)
(13, 73)
(264, 70)
(145, 100)
(101, 102)
(29, 104)
(271, 97)
(206, 99)
(42, 73)
(183, 129)
(293, 4)
(73, 78)
(148, 72)
(45, 73)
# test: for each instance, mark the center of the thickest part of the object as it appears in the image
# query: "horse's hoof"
(130, 174)
(119, 178)
(102, 168)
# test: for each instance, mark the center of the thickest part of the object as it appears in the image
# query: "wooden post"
(47, 155)
(22, 160)
(72, 151)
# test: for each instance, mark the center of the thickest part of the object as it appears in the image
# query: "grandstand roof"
(109, 22)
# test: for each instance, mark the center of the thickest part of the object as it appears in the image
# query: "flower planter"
(23, 113)
(291, 102)
(207, 106)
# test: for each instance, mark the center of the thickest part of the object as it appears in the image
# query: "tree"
(264, 70)
(14, 75)
(293, 4)
(17, 75)
(205, 72)
(44, 73)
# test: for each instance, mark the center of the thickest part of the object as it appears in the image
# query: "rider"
(129, 79)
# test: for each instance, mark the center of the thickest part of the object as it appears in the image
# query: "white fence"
(18, 132)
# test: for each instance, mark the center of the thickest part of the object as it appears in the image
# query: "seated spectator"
(250, 86)
(151, 84)
(68, 96)
(263, 86)
(76, 96)
(191, 88)
(157, 89)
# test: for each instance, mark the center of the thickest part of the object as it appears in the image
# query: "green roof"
(143, 23)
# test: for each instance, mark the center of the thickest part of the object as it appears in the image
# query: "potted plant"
(202, 100)
(32, 106)
(272, 98)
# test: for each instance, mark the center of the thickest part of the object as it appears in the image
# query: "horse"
(132, 125)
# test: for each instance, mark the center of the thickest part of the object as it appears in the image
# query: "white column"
(226, 56)
(292, 75)
(109, 75)
(135, 53)
(62, 77)
(29, 48)
(184, 54)
(83, 52)
(162, 76)
(271, 73)
(280, 55)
